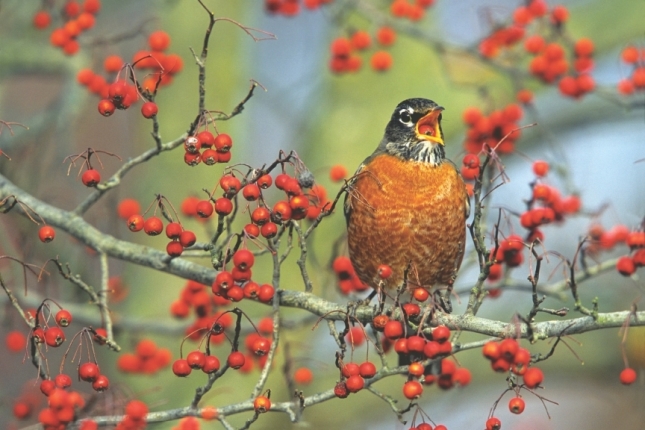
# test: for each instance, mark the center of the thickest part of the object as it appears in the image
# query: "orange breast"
(404, 212)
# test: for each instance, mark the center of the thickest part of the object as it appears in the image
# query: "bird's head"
(414, 132)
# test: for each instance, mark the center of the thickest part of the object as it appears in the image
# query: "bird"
(407, 205)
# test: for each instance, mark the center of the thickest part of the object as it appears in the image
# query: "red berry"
(381, 61)
(54, 336)
(192, 145)
(211, 364)
(149, 109)
(384, 271)
(264, 181)
(625, 265)
(106, 107)
(340, 390)
(412, 390)
(91, 178)
(355, 383)
(261, 346)
(628, 376)
(416, 343)
(15, 341)
(47, 386)
(63, 380)
(223, 142)
(266, 293)
(174, 248)
(367, 369)
(243, 258)
(63, 318)
(508, 348)
(303, 376)
(338, 173)
(206, 138)
(516, 405)
(386, 36)
(196, 359)
(153, 226)
(491, 350)
(136, 410)
(173, 230)
(393, 330)
(187, 238)
(261, 404)
(127, 208)
(236, 359)
(204, 209)
(441, 333)
(42, 19)
(181, 368)
(493, 424)
(269, 230)
(533, 377)
(251, 192)
(101, 383)
(135, 223)
(88, 371)
(159, 40)
(223, 206)
(46, 233)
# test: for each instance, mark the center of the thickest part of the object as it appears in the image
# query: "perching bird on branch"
(407, 205)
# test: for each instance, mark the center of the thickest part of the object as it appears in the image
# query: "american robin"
(407, 204)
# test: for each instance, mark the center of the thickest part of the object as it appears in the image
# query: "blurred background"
(593, 142)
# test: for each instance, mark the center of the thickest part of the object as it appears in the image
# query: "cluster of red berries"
(298, 204)
(414, 11)
(236, 284)
(449, 374)
(195, 360)
(507, 36)
(627, 264)
(636, 81)
(153, 226)
(53, 336)
(509, 252)
(508, 355)
(147, 358)
(195, 296)
(90, 372)
(490, 129)
(121, 95)
(553, 207)
(62, 405)
(347, 278)
(292, 7)
(353, 378)
(581, 82)
(161, 66)
(221, 319)
(78, 18)
(207, 148)
(345, 51)
(470, 167)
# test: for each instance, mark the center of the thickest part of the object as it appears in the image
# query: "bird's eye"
(405, 118)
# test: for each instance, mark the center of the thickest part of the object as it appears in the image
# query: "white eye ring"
(405, 116)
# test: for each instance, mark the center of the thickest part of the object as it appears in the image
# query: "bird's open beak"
(428, 128)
